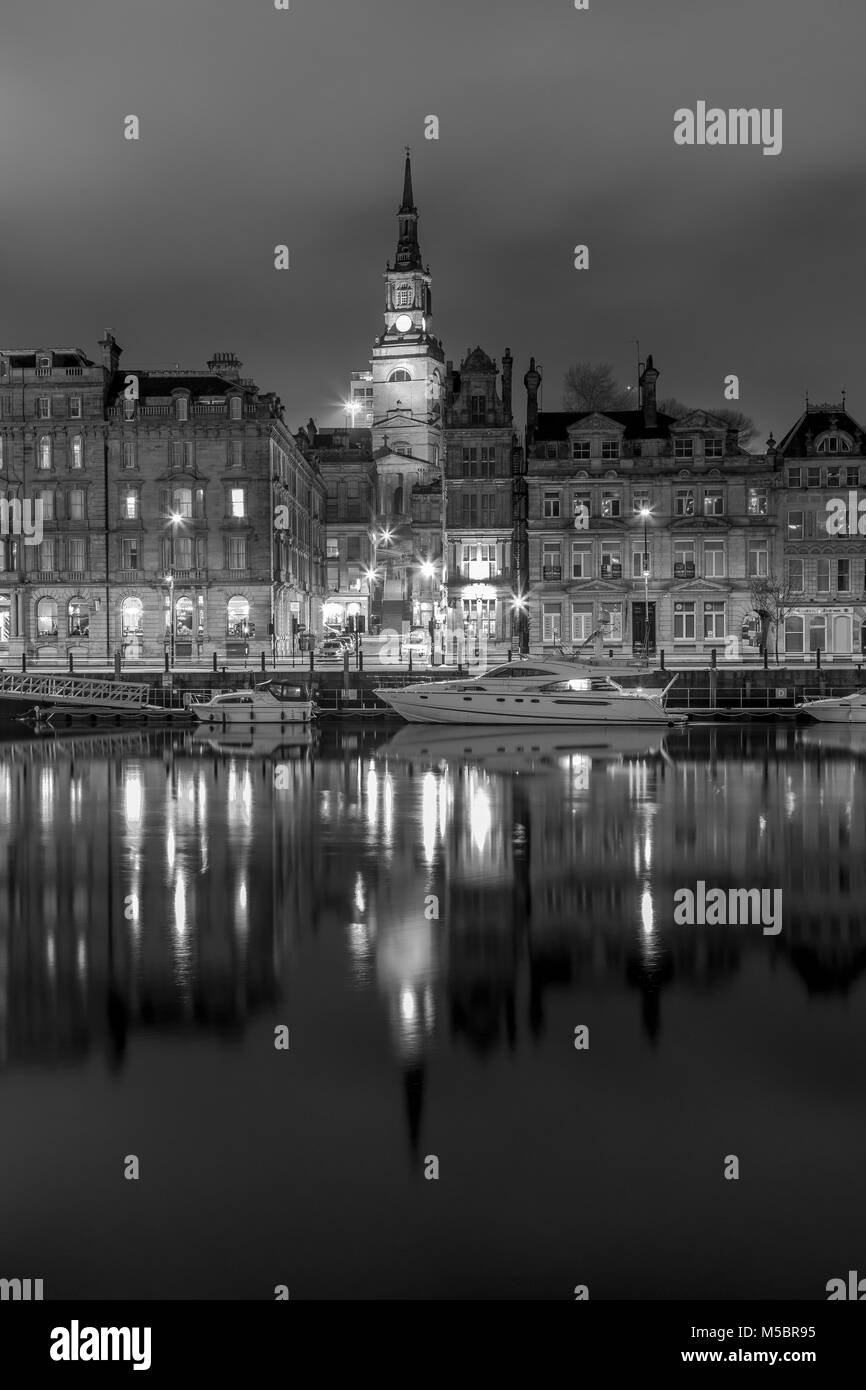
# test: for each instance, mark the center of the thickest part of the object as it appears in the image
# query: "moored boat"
(271, 702)
(531, 692)
(838, 709)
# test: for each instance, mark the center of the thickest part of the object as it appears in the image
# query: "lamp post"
(175, 519)
(476, 592)
(645, 512)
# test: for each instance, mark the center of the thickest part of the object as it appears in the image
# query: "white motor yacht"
(837, 709)
(531, 692)
(272, 702)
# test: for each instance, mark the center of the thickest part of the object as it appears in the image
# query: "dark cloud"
(260, 127)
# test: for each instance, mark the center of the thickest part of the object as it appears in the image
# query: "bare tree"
(773, 599)
(734, 419)
(593, 386)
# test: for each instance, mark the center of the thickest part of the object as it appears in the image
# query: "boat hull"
(445, 707)
(247, 717)
(847, 710)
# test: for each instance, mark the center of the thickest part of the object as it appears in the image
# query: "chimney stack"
(531, 381)
(507, 365)
(110, 351)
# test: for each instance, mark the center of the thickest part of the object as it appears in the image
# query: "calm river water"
(431, 915)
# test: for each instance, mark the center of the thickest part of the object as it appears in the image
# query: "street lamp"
(518, 609)
(476, 592)
(645, 513)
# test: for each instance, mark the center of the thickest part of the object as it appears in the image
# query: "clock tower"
(408, 361)
(406, 374)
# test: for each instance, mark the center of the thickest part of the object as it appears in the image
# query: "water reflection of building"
(139, 891)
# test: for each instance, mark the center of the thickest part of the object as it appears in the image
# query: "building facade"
(344, 460)
(480, 451)
(644, 531)
(178, 515)
(822, 578)
(54, 593)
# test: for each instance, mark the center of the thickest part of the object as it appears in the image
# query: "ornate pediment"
(595, 423)
(698, 420)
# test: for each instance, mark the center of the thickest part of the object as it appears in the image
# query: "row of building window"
(185, 553)
(611, 621)
(609, 505)
(45, 451)
(814, 476)
(610, 561)
(77, 614)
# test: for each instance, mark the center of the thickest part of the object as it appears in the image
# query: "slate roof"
(815, 420)
(553, 425)
(166, 382)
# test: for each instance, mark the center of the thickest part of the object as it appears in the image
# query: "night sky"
(261, 127)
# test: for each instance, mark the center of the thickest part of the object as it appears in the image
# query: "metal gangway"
(75, 691)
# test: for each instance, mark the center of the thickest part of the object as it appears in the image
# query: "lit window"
(758, 502)
(78, 618)
(237, 502)
(75, 504)
(45, 451)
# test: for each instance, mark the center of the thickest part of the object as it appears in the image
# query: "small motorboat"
(837, 709)
(272, 702)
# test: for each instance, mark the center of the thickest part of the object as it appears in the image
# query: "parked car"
(418, 643)
(334, 647)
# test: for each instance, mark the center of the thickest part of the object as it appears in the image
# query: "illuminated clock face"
(403, 323)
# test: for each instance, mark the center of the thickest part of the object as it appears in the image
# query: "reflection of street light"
(645, 513)
(175, 520)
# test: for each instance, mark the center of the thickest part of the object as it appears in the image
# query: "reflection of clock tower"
(407, 369)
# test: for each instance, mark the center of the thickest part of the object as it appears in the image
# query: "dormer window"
(43, 363)
(610, 449)
(833, 444)
(580, 449)
(684, 448)
(714, 448)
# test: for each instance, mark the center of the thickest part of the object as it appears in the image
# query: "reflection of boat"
(530, 693)
(849, 739)
(837, 709)
(520, 749)
(272, 702)
(265, 743)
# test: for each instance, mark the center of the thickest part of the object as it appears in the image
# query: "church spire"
(408, 204)
(408, 251)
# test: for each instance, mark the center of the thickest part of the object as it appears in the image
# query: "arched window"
(131, 617)
(45, 451)
(129, 404)
(43, 364)
(400, 375)
(238, 618)
(5, 618)
(46, 617)
(183, 619)
(235, 408)
(78, 618)
(182, 408)
(833, 443)
(403, 297)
